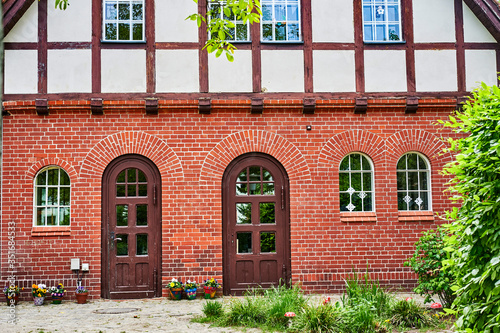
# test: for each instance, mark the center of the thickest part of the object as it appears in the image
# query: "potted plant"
(12, 294)
(38, 291)
(210, 287)
(57, 293)
(81, 295)
(175, 288)
(191, 287)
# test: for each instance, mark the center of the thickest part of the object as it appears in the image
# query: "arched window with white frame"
(52, 197)
(414, 182)
(356, 185)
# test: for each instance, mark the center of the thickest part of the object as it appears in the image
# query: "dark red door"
(255, 224)
(131, 229)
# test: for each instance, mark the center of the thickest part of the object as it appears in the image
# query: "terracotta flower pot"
(81, 298)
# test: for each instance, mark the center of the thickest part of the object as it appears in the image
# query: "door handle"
(118, 239)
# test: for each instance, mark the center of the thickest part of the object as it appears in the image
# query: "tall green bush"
(475, 246)
(426, 262)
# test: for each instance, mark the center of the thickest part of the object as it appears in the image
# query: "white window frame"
(46, 205)
(275, 22)
(379, 10)
(362, 192)
(407, 198)
(129, 21)
(234, 21)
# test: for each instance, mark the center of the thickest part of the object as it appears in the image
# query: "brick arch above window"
(132, 142)
(348, 142)
(255, 141)
(47, 162)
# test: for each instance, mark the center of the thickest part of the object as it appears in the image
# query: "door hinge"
(154, 194)
(282, 198)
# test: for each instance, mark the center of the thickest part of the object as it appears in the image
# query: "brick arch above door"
(133, 142)
(243, 142)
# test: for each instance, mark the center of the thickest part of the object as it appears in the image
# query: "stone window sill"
(349, 217)
(416, 216)
(51, 231)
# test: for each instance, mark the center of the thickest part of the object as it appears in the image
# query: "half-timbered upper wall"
(445, 49)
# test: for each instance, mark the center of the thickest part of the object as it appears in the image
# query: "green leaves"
(62, 4)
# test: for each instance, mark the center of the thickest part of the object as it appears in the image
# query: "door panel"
(255, 224)
(131, 229)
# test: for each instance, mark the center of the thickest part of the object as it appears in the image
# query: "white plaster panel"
(282, 71)
(177, 71)
(474, 30)
(171, 23)
(480, 66)
(334, 71)
(385, 71)
(332, 21)
(21, 72)
(225, 76)
(434, 21)
(436, 70)
(69, 71)
(123, 71)
(71, 25)
(26, 29)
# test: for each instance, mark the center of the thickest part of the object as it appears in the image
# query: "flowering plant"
(39, 290)
(12, 291)
(190, 285)
(175, 284)
(57, 291)
(211, 283)
(81, 290)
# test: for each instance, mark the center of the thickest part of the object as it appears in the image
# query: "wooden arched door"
(131, 229)
(256, 228)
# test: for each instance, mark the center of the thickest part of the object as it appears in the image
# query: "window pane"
(268, 242)
(394, 32)
(41, 193)
(279, 13)
(268, 188)
(266, 176)
(131, 190)
(242, 177)
(380, 32)
(142, 245)
(121, 177)
(254, 188)
(124, 11)
(280, 31)
(380, 13)
(111, 11)
(142, 214)
(393, 13)
(368, 32)
(401, 203)
(243, 213)
(293, 12)
(124, 31)
(111, 33)
(421, 163)
(64, 199)
(122, 215)
(241, 189)
(120, 190)
(267, 12)
(267, 32)
(293, 32)
(412, 181)
(412, 161)
(344, 201)
(122, 245)
(402, 181)
(142, 177)
(137, 31)
(368, 13)
(413, 205)
(53, 177)
(355, 162)
(343, 181)
(40, 216)
(52, 216)
(367, 181)
(365, 165)
(41, 179)
(143, 190)
(131, 175)
(244, 242)
(64, 216)
(344, 165)
(357, 202)
(424, 196)
(367, 203)
(52, 196)
(241, 31)
(402, 163)
(137, 11)
(254, 173)
(64, 178)
(267, 214)
(356, 181)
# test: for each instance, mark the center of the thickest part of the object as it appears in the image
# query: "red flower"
(436, 306)
(290, 314)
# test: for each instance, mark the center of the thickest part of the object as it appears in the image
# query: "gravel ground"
(147, 315)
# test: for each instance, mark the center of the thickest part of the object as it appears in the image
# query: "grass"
(365, 307)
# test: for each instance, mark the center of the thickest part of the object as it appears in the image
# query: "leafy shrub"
(213, 309)
(317, 319)
(426, 262)
(251, 311)
(282, 299)
(409, 314)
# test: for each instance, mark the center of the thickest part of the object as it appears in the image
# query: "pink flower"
(326, 301)
(436, 306)
(290, 314)
(408, 299)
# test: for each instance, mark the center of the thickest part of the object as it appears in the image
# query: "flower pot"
(13, 300)
(57, 298)
(38, 300)
(81, 298)
(175, 293)
(209, 292)
(191, 293)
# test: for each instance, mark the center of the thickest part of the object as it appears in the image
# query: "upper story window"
(356, 184)
(240, 32)
(280, 21)
(413, 182)
(123, 20)
(52, 197)
(382, 20)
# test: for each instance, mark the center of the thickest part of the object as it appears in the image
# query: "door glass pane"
(241, 189)
(244, 242)
(142, 214)
(142, 177)
(268, 242)
(121, 215)
(143, 190)
(131, 176)
(243, 213)
(267, 214)
(120, 190)
(122, 245)
(242, 177)
(254, 174)
(131, 190)
(266, 176)
(254, 188)
(121, 177)
(268, 188)
(142, 244)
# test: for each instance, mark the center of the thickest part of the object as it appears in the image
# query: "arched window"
(52, 197)
(356, 184)
(414, 190)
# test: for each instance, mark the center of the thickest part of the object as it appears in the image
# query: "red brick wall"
(192, 151)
